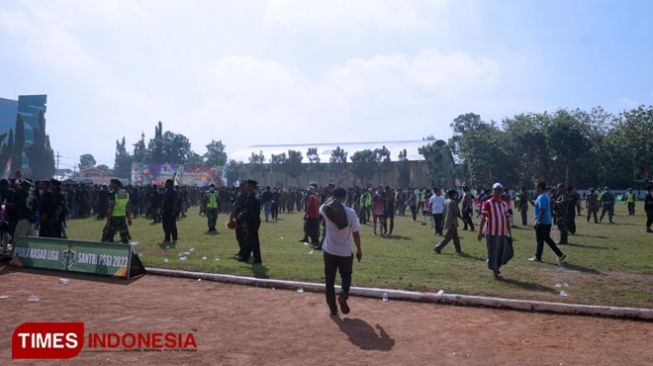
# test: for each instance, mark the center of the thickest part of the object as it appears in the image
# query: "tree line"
(578, 147)
(40, 155)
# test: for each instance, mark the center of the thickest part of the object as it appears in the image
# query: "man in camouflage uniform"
(607, 204)
(592, 205)
(119, 215)
(560, 209)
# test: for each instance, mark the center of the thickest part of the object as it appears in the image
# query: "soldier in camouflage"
(592, 206)
(560, 210)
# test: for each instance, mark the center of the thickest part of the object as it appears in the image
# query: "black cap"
(251, 182)
(55, 182)
(116, 181)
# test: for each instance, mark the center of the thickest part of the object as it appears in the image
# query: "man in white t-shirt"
(437, 209)
(342, 228)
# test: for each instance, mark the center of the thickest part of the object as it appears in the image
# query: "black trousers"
(251, 244)
(649, 218)
(452, 234)
(313, 230)
(571, 221)
(543, 235)
(169, 221)
(332, 264)
(413, 212)
(437, 219)
(467, 218)
(212, 218)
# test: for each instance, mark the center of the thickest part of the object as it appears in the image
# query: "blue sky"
(281, 71)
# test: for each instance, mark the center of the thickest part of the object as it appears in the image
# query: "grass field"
(608, 264)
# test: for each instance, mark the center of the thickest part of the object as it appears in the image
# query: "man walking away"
(451, 214)
(543, 222)
(572, 207)
(436, 203)
(342, 226)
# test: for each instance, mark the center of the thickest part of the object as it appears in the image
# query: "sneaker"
(334, 312)
(534, 259)
(561, 259)
(437, 250)
(343, 305)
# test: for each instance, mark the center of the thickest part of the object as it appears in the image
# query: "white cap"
(497, 185)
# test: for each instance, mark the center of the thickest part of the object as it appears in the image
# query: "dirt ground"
(237, 325)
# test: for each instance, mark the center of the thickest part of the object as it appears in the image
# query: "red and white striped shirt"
(496, 217)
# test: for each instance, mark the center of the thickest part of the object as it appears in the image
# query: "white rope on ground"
(451, 299)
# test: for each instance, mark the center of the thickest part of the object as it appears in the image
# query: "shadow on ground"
(362, 335)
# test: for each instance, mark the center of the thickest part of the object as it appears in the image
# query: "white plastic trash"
(300, 290)
(63, 281)
(2, 297)
(204, 258)
(440, 293)
(33, 298)
(183, 258)
(385, 297)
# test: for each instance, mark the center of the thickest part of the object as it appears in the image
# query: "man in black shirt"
(169, 209)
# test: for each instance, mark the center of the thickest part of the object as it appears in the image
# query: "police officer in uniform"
(630, 201)
(211, 204)
(119, 214)
(236, 217)
(560, 209)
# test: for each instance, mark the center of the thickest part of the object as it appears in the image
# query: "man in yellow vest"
(119, 215)
(630, 201)
(211, 199)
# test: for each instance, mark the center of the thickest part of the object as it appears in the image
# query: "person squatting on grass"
(342, 226)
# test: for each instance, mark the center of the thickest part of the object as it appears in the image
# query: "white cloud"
(340, 15)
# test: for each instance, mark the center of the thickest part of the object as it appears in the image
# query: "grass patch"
(609, 264)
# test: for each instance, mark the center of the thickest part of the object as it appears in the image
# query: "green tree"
(234, 171)
(123, 161)
(140, 150)
(384, 163)
(364, 165)
(155, 147)
(403, 179)
(257, 163)
(215, 154)
(484, 148)
(86, 161)
(293, 165)
(338, 162)
(277, 163)
(439, 163)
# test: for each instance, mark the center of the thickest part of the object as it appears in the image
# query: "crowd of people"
(332, 215)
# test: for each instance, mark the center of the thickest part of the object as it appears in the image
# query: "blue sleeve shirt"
(543, 203)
